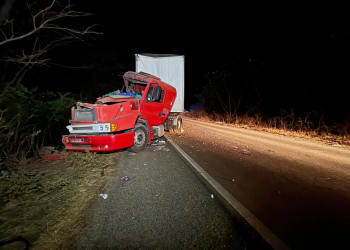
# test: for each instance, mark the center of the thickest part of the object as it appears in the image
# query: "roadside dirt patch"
(42, 202)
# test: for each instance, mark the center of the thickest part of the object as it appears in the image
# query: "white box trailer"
(169, 68)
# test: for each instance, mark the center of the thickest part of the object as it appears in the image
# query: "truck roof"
(141, 77)
(158, 55)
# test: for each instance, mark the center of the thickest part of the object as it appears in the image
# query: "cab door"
(153, 106)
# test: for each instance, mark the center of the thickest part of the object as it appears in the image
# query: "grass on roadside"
(288, 124)
(43, 201)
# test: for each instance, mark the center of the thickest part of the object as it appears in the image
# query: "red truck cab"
(129, 119)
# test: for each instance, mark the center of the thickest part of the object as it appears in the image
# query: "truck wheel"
(140, 138)
(178, 128)
(176, 125)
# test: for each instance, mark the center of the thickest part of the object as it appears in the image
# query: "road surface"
(163, 205)
(299, 189)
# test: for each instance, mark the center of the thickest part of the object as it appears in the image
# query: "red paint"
(97, 143)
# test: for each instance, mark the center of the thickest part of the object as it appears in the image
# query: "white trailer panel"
(170, 69)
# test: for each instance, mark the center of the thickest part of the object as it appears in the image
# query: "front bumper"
(98, 143)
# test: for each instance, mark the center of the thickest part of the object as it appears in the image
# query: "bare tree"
(43, 28)
(29, 31)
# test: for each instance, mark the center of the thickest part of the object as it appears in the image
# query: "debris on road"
(212, 196)
(158, 143)
(126, 178)
(159, 148)
(334, 144)
(246, 152)
(182, 168)
(154, 143)
(104, 196)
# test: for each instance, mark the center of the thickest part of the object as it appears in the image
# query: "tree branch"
(48, 18)
(45, 30)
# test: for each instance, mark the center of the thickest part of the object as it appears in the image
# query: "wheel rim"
(139, 138)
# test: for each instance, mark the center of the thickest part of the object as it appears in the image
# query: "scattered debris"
(161, 143)
(246, 152)
(233, 179)
(158, 143)
(47, 150)
(104, 196)
(54, 157)
(132, 153)
(155, 143)
(182, 168)
(331, 143)
(158, 148)
(49, 153)
(126, 178)
(212, 196)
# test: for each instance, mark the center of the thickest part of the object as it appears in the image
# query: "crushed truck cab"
(130, 119)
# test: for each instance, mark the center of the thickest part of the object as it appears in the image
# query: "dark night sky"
(304, 48)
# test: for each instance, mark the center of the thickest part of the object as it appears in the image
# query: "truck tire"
(140, 138)
(178, 127)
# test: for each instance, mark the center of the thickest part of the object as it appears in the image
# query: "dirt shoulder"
(42, 202)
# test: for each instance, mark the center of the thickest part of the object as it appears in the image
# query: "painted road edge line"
(254, 222)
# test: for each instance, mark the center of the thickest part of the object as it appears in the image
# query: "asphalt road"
(298, 188)
(163, 205)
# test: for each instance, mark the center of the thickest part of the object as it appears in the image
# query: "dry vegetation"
(287, 124)
(43, 201)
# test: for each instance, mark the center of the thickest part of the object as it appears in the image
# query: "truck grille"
(83, 128)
